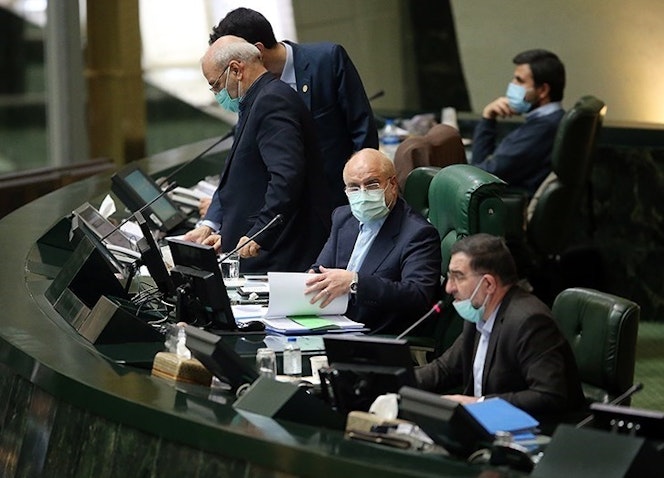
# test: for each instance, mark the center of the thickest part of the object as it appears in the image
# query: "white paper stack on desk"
(289, 311)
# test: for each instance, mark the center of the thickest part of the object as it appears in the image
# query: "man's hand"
(213, 240)
(198, 235)
(250, 250)
(498, 107)
(203, 205)
(462, 399)
(328, 285)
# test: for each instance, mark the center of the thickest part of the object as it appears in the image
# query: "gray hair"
(240, 51)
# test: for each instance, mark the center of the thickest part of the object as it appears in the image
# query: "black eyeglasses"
(213, 88)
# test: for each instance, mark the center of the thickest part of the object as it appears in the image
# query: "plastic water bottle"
(292, 358)
(389, 139)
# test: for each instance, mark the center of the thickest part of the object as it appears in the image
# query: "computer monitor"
(102, 227)
(136, 189)
(219, 358)
(153, 260)
(202, 298)
(446, 422)
(627, 420)
(361, 368)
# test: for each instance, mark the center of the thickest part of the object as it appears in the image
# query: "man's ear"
(492, 283)
(545, 91)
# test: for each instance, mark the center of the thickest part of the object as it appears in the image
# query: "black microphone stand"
(278, 219)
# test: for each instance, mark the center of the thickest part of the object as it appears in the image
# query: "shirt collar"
(373, 226)
(545, 110)
(486, 327)
(288, 73)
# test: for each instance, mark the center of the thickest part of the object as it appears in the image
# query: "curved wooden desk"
(67, 410)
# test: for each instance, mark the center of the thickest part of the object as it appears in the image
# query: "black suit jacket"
(274, 167)
(529, 362)
(400, 277)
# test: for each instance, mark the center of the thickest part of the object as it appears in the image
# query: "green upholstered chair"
(557, 203)
(602, 330)
(416, 189)
(463, 200)
(439, 147)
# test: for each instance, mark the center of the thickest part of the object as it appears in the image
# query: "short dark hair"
(245, 23)
(488, 255)
(546, 68)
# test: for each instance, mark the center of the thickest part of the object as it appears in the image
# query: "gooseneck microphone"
(377, 95)
(166, 179)
(278, 219)
(616, 401)
(436, 309)
(141, 209)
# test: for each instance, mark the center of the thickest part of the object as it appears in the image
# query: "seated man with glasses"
(381, 253)
(510, 346)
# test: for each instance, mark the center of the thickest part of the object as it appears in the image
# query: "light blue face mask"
(225, 100)
(467, 310)
(368, 205)
(516, 96)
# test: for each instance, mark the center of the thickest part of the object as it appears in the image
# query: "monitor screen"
(153, 260)
(362, 368)
(136, 189)
(201, 293)
(219, 358)
(102, 227)
(446, 422)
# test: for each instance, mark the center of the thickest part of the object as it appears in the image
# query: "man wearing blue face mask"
(510, 346)
(273, 168)
(523, 157)
(381, 254)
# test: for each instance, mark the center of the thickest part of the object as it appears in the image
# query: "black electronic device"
(202, 298)
(361, 368)
(222, 361)
(446, 422)
(628, 421)
(152, 259)
(136, 190)
(103, 228)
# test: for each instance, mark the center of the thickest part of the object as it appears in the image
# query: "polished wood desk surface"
(39, 346)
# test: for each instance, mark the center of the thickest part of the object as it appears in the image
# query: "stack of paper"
(289, 311)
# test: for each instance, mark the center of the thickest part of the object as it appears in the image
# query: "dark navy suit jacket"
(330, 86)
(273, 167)
(400, 277)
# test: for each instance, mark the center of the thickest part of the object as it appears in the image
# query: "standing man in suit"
(383, 255)
(326, 80)
(273, 167)
(523, 157)
(510, 346)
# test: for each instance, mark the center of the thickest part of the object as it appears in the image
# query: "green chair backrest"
(416, 189)
(602, 330)
(551, 225)
(465, 200)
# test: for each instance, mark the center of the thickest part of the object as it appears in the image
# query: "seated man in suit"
(510, 346)
(381, 253)
(523, 157)
(327, 81)
(273, 168)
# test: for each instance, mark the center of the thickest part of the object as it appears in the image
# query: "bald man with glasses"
(381, 253)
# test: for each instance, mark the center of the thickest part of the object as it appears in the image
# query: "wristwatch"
(353, 284)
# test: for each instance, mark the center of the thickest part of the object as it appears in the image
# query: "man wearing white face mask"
(523, 157)
(510, 346)
(381, 254)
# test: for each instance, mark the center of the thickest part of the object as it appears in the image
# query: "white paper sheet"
(287, 297)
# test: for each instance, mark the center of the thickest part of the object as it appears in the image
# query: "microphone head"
(170, 187)
(278, 219)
